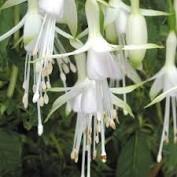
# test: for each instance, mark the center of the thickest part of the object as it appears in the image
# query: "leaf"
(170, 156)
(10, 3)
(10, 152)
(135, 159)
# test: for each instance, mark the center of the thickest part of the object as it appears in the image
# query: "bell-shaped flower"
(93, 102)
(97, 47)
(117, 12)
(128, 21)
(31, 21)
(165, 80)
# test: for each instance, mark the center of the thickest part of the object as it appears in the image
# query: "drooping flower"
(32, 18)
(165, 79)
(93, 102)
(118, 13)
(39, 37)
(127, 23)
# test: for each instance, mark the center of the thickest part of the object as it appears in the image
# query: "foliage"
(132, 147)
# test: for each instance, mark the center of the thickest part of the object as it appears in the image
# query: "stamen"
(94, 138)
(103, 151)
(40, 126)
(88, 160)
(166, 120)
(83, 156)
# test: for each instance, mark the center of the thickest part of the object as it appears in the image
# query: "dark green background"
(131, 148)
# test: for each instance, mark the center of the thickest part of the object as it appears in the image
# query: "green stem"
(32, 5)
(171, 17)
(159, 113)
(135, 5)
(13, 80)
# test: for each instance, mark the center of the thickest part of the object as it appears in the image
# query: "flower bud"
(136, 35)
(171, 44)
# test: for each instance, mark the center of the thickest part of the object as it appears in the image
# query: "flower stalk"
(135, 6)
(13, 81)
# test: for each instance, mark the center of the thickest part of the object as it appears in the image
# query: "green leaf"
(10, 152)
(10, 3)
(170, 156)
(135, 159)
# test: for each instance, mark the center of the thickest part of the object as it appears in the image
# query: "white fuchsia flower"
(38, 37)
(44, 44)
(96, 46)
(32, 22)
(95, 105)
(93, 102)
(166, 79)
(117, 13)
(128, 22)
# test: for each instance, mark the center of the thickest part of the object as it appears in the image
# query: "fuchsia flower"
(165, 79)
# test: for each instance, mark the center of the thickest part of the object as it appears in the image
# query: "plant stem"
(159, 113)
(135, 4)
(32, 4)
(171, 17)
(13, 80)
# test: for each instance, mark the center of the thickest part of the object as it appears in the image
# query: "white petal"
(101, 66)
(54, 7)
(88, 103)
(76, 103)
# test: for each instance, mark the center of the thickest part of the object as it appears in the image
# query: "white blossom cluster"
(114, 50)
